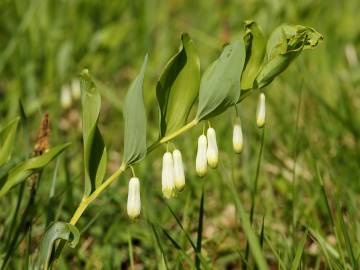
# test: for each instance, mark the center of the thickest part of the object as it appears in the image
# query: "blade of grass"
(159, 244)
(254, 192)
(200, 229)
(131, 254)
(299, 251)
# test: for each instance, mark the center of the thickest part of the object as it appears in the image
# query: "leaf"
(255, 51)
(95, 153)
(299, 251)
(7, 139)
(284, 45)
(220, 84)
(178, 87)
(20, 172)
(135, 120)
(57, 230)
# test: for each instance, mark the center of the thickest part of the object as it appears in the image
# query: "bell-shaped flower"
(75, 89)
(201, 160)
(237, 138)
(261, 110)
(134, 201)
(212, 152)
(167, 177)
(179, 175)
(65, 97)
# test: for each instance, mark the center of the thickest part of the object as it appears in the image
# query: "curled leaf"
(178, 87)
(284, 45)
(56, 231)
(95, 153)
(220, 84)
(255, 50)
(135, 120)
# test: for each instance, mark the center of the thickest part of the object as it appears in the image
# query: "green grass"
(306, 208)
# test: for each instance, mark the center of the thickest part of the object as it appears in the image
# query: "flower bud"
(179, 176)
(201, 161)
(260, 114)
(75, 89)
(65, 97)
(134, 202)
(212, 152)
(167, 179)
(237, 138)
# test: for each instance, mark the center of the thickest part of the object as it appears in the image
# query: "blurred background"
(313, 120)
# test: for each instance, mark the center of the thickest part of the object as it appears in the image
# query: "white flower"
(179, 176)
(260, 114)
(75, 89)
(65, 97)
(134, 202)
(237, 138)
(167, 177)
(201, 161)
(212, 152)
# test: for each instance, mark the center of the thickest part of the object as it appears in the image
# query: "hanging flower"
(179, 176)
(75, 89)
(212, 152)
(134, 202)
(261, 110)
(167, 179)
(237, 138)
(65, 97)
(201, 160)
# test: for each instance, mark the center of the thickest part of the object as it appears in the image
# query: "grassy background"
(312, 132)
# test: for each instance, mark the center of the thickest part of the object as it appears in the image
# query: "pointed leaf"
(135, 120)
(7, 139)
(255, 50)
(220, 84)
(20, 172)
(95, 153)
(178, 87)
(57, 230)
(284, 45)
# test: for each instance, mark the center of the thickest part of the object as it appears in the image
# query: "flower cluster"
(69, 93)
(173, 175)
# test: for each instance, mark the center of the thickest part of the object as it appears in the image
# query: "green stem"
(87, 200)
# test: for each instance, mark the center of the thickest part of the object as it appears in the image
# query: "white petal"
(134, 201)
(167, 179)
(179, 176)
(65, 97)
(237, 138)
(75, 89)
(212, 152)
(261, 110)
(201, 161)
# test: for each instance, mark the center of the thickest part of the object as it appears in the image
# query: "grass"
(305, 210)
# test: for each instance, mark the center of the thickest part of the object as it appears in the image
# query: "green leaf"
(20, 172)
(178, 87)
(95, 153)
(255, 51)
(57, 230)
(135, 120)
(284, 45)
(299, 251)
(7, 139)
(220, 84)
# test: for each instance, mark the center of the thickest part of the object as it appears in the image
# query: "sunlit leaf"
(7, 139)
(135, 120)
(20, 172)
(178, 87)
(220, 84)
(95, 154)
(255, 50)
(56, 231)
(283, 46)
